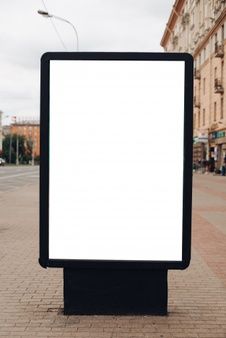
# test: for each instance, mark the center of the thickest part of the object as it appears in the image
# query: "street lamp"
(48, 15)
(10, 140)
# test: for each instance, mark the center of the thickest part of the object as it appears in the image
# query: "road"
(31, 298)
(15, 177)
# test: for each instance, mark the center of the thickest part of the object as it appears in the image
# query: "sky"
(102, 25)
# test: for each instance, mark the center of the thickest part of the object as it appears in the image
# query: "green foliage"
(24, 148)
(37, 159)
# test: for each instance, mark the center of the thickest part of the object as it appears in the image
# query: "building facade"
(29, 129)
(199, 27)
(1, 134)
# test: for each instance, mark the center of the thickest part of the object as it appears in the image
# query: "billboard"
(116, 160)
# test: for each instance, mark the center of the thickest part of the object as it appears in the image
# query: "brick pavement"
(31, 297)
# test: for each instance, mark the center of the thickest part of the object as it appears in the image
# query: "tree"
(29, 147)
(24, 148)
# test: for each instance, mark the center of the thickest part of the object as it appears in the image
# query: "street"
(15, 177)
(31, 298)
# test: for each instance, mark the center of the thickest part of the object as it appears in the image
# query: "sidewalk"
(31, 298)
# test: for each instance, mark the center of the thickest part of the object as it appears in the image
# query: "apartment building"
(199, 27)
(30, 129)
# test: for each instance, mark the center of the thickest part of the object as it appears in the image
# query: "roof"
(176, 10)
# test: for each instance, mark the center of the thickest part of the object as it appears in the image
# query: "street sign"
(111, 193)
(203, 137)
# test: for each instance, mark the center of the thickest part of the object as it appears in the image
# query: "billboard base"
(115, 292)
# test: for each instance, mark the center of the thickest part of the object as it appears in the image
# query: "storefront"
(217, 142)
(200, 147)
(198, 152)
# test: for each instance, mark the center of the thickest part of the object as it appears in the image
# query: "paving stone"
(31, 298)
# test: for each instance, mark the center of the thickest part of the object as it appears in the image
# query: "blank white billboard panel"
(116, 159)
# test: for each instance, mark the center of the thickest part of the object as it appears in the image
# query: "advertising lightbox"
(116, 160)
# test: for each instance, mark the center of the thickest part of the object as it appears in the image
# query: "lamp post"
(17, 149)
(10, 148)
(33, 145)
(48, 15)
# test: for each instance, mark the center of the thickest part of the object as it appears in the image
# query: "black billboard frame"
(44, 259)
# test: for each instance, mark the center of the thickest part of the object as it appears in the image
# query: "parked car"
(2, 161)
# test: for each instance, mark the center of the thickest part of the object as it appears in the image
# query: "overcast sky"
(102, 25)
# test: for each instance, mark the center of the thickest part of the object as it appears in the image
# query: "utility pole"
(33, 155)
(17, 150)
(10, 148)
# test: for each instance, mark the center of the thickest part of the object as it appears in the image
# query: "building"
(199, 27)
(1, 134)
(29, 129)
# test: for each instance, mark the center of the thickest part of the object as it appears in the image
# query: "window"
(206, 13)
(199, 119)
(222, 108)
(212, 47)
(222, 33)
(215, 73)
(215, 111)
(203, 117)
(204, 86)
(192, 19)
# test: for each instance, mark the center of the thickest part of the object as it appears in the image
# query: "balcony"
(175, 41)
(196, 102)
(185, 20)
(218, 88)
(219, 50)
(219, 6)
(197, 74)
